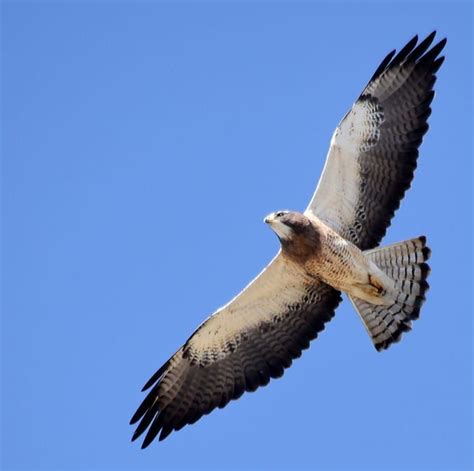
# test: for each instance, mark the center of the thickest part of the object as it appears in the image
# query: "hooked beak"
(269, 219)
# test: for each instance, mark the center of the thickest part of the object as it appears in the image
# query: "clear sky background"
(143, 143)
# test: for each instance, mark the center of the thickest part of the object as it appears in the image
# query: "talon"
(377, 285)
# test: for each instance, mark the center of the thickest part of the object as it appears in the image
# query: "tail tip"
(425, 270)
(425, 250)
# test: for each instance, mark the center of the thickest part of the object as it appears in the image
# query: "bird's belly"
(340, 265)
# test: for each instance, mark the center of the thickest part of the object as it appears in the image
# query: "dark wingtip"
(443, 42)
(412, 41)
(411, 44)
(164, 433)
(440, 46)
(431, 36)
(430, 57)
(155, 377)
(136, 417)
(437, 64)
(421, 48)
(403, 53)
(148, 439)
(383, 65)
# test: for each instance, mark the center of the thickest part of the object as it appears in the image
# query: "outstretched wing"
(373, 152)
(239, 348)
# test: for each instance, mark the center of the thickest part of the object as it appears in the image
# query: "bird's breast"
(338, 262)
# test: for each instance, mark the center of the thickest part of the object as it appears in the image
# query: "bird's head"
(298, 236)
(288, 224)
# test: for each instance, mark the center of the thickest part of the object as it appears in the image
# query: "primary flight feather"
(328, 249)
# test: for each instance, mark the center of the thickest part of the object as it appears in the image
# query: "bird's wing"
(239, 348)
(373, 151)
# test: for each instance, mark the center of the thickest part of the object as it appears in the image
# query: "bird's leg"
(377, 285)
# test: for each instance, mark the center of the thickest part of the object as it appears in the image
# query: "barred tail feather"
(404, 262)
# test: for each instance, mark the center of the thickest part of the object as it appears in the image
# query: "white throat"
(282, 230)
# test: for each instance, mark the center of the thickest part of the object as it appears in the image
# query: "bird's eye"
(280, 214)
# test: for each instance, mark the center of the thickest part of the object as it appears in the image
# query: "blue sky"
(143, 142)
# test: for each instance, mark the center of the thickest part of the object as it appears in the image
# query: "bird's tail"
(404, 263)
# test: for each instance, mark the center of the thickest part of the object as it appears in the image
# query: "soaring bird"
(330, 248)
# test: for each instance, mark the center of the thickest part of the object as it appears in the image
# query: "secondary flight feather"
(330, 248)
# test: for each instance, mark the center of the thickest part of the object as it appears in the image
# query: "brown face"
(288, 224)
(297, 222)
(298, 236)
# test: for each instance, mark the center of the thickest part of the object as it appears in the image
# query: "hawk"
(330, 248)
